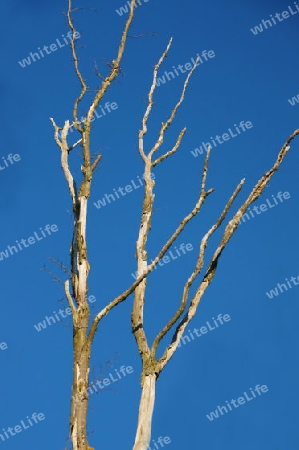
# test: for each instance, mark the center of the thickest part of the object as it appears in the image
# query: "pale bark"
(79, 277)
(80, 267)
(150, 365)
(79, 401)
(146, 409)
(82, 338)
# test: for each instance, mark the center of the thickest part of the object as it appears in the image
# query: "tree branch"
(227, 234)
(165, 248)
(95, 163)
(114, 69)
(169, 121)
(75, 144)
(69, 298)
(170, 152)
(143, 131)
(64, 157)
(197, 269)
(77, 70)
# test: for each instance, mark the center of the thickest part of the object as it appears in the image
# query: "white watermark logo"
(126, 8)
(109, 107)
(24, 425)
(274, 292)
(183, 68)
(269, 23)
(53, 47)
(159, 444)
(3, 346)
(264, 207)
(198, 332)
(223, 138)
(294, 100)
(11, 250)
(236, 403)
(63, 313)
(169, 256)
(112, 378)
(108, 198)
(9, 160)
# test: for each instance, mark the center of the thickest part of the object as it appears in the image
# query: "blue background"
(251, 78)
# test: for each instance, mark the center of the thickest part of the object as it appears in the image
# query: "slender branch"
(64, 268)
(227, 234)
(197, 269)
(56, 132)
(147, 208)
(170, 152)
(150, 268)
(55, 277)
(69, 297)
(165, 125)
(75, 144)
(64, 156)
(98, 73)
(77, 70)
(65, 165)
(81, 8)
(115, 68)
(169, 121)
(95, 163)
(143, 131)
(143, 34)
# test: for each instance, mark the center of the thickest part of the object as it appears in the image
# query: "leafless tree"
(84, 329)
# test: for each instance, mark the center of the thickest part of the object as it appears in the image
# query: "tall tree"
(85, 328)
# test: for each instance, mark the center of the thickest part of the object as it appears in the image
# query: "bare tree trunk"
(81, 346)
(79, 401)
(82, 339)
(146, 409)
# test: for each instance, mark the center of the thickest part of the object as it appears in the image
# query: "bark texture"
(77, 299)
(81, 347)
(83, 330)
(152, 366)
(146, 409)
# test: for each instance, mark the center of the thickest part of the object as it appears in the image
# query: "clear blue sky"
(250, 78)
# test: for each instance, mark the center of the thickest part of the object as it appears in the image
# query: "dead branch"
(76, 65)
(143, 269)
(227, 234)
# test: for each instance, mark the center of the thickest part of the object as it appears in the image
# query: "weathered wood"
(146, 409)
(83, 330)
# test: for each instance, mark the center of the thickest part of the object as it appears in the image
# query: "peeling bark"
(81, 347)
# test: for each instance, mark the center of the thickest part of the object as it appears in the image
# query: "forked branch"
(143, 268)
(227, 234)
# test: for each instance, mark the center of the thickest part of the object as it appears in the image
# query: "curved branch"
(77, 70)
(227, 234)
(167, 245)
(115, 68)
(143, 131)
(197, 269)
(169, 121)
